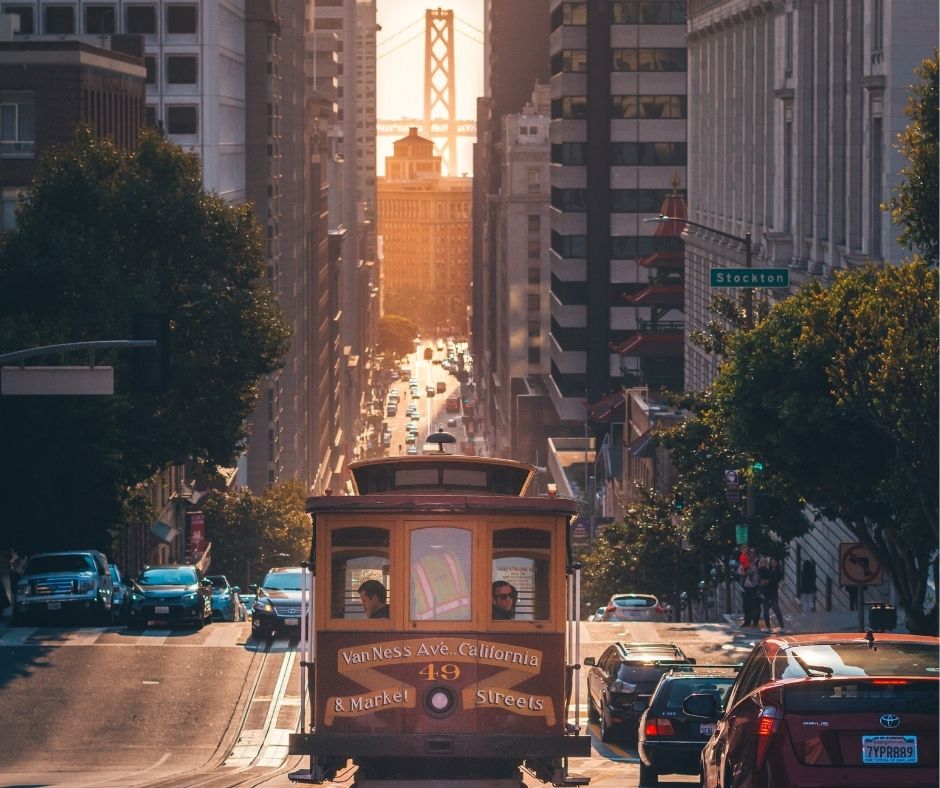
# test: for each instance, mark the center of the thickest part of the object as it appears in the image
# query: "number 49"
(446, 672)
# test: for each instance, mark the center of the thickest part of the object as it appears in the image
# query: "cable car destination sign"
(750, 277)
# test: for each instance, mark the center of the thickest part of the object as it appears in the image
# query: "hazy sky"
(400, 68)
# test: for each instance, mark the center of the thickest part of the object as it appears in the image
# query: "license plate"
(889, 749)
(53, 605)
(161, 610)
(706, 729)
(292, 622)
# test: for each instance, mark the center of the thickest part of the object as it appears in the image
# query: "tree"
(838, 390)
(915, 205)
(396, 335)
(101, 236)
(251, 533)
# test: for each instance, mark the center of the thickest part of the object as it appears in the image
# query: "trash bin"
(882, 616)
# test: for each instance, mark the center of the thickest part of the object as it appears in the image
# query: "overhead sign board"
(859, 566)
(32, 381)
(750, 277)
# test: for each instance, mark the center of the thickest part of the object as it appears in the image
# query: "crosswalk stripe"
(218, 636)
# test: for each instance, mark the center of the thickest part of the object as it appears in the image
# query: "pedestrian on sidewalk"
(770, 575)
(807, 586)
(750, 589)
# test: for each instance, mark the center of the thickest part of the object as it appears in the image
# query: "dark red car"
(827, 709)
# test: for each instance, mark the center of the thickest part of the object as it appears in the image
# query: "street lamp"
(746, 240)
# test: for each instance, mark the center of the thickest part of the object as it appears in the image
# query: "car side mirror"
(703, 705)
(252, 588)
(206, 583)
(236, 590)
(589, 662)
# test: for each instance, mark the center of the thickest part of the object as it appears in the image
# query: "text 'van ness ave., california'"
(376, 655)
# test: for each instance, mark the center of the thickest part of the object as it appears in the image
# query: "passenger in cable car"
(372, 594)
(504, 601)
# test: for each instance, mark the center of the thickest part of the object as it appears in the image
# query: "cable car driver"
(372, 594)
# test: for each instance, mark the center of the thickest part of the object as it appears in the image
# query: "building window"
(534, 180)
(570, 107)
(181, 69)
(17, 124)
(25, 13)
(181, 120)
(631, 154)
(535, 328)
(573, 153)
(535, 302)
(877, 29)
(631, 12)
(142, 20)
(150, 116)
(788, 47)
(150, 63)
(181, 19)
(9, 200)
(571, 61)
(650, 59)
(59, 20)
(99, 19)
(649, 107)
(569, 245)
(535, 275)
(639, 200)
(535, 355)
(569, 200)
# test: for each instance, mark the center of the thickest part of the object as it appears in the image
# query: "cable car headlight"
(440, 701)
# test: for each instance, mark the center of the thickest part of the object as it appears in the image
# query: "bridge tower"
(439, 82)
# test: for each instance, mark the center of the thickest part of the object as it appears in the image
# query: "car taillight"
(659, 726)
(610, 608)
(890, 681)
(768, 721)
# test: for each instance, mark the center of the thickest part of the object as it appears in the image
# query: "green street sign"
(740, 534)
(750, 277)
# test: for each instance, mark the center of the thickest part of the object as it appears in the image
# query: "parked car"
(621, 682)
(175, 594)
(825, 708)
(226, 602)
(669, 740)
(248, 601)
(277, 607)
(72, 583)
(598, 615)
(634, 607)
(120, 596)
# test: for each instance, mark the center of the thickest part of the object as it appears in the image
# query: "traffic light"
(152, 364)
(757, 466)
(678, 503)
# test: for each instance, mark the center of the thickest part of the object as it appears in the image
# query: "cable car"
(440, 648)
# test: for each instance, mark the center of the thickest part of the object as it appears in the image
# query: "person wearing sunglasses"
(504, 601)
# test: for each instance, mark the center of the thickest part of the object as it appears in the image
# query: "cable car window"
(521, 560)
(357, 555)
(440, 574)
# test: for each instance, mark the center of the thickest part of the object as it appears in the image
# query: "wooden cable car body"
(438, 688)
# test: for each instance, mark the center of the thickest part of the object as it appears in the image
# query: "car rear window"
(858, 659)
(60, 563)
(634, 601)
(636, 674)
(218, 582)
(851, 697)
(678, 690)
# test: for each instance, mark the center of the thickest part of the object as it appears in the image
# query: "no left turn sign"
(858, 566)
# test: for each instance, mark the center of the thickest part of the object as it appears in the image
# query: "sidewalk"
(797, 623)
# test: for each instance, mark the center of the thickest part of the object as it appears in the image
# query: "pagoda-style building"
(658, 340)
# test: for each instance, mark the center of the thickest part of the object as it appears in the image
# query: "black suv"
(670, 740)
(620, 684)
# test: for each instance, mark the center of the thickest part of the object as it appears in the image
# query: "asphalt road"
(177, 709)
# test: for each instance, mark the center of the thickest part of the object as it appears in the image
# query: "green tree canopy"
(251, 533)
(101, 236)
(916, 202)
(396, 335)
(838, 391)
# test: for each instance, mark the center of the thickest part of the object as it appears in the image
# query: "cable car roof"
(439, 472)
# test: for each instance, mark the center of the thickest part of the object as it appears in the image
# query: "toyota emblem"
(889, 720)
